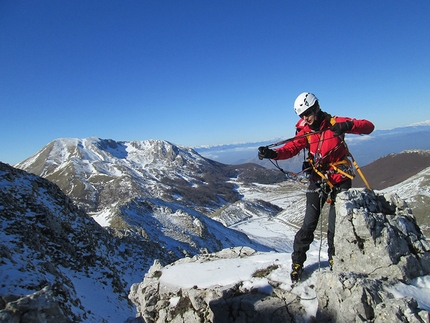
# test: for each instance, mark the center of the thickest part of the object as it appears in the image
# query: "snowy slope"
(274, 229)
(46, 242)
(179, 230)
(413, 186)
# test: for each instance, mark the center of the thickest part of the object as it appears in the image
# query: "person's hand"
(342, 127)
(265, 152)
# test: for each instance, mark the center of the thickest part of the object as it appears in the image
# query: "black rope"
(288, 173)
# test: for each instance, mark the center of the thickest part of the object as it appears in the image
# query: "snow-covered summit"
(91, 169)
(99, 152)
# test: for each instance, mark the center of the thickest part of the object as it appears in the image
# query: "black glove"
(342, 127)
(264, 152)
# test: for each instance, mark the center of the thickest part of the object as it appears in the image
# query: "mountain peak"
(93, 149)
(91, 169)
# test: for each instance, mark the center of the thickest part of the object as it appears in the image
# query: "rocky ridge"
(378, 244)
(50, 250)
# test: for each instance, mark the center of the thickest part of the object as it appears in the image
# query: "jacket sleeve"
(360, 127)
(292, 148)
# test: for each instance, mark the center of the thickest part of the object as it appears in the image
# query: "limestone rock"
(378, 243)
(157, 302)
(379, 237)
(39, 307)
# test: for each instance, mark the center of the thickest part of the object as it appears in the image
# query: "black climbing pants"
(315, 200)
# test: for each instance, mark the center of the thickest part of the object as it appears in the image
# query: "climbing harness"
(313, 165)
(335, 168)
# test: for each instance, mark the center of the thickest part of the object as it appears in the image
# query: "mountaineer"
(328, 164)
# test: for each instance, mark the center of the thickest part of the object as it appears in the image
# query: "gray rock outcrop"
(40, 306)
(378, 244)
(216, 304)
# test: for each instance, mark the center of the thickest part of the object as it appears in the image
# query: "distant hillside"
(393, 169)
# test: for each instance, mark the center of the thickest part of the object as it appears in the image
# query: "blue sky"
(201, 72)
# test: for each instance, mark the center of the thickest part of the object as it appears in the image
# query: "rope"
(291, 174)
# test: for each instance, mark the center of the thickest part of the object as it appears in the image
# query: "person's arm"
(355, 126)
(292, 148)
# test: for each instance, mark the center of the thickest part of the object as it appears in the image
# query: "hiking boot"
(296, 272)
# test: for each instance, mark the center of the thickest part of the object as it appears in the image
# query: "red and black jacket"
(324, 147)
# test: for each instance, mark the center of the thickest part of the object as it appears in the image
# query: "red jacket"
(324, 147)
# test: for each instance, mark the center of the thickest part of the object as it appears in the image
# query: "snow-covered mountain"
(98, 174)
(150, 189)
(364, 148)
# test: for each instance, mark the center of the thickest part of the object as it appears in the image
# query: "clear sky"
(204, 72)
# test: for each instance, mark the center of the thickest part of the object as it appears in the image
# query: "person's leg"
(305, 235)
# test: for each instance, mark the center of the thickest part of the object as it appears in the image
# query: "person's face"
(309, 116)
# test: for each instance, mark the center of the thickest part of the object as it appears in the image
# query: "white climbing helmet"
(303, 102)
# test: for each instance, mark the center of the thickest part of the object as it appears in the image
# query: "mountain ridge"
(86, 168)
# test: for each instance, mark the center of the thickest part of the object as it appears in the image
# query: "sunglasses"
(308, 112)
